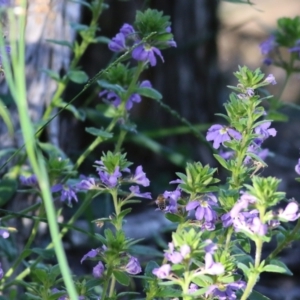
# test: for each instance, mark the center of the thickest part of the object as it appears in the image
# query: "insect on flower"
(161, 202)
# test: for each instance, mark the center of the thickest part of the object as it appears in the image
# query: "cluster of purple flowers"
(128, 37)
(108, 180)
(113, 98)
(131, 265)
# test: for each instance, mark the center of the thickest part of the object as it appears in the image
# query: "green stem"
(112, 285)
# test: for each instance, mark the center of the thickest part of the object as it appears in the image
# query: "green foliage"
(112, 160)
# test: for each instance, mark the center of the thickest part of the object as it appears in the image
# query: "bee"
(161, 202)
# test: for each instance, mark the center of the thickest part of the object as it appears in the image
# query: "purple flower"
(1, 272)
(98, 270)
(87, 184)
(220, 134)
(162, 272)
(193, 288)
(91, 254)
(211, 267)
(258, 227)
(250, 92)
(66, 192)
(133, 266)
(297, 167)
(140, 177)
(172, 198)
(135, 190)
(210, 247)
(268, 45)
(226, 154)
(264, 131)
(147, 53)
(30, 181)
(296, 48)
(111, 97)
(271, 79)
(127, 30)
(176, 181)
(118, 43)
(290, 213)
(225, 291)
(254, 148)
(4, 233)
(110, 180)
(204, 208)
(177, 257)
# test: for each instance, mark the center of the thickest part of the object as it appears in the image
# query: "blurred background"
(213, 38)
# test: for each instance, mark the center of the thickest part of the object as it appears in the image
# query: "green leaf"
(149, 268)
(221, 160)
(44, 253)
(145, 250)
(168, 292)
(78, 113)
(244, 268)
(173, 218)
(101, 40)
(108, 86)
(149, 92)
(4, 113)
(61, 43)
(99, 132)
(203, 280)
(52, 74)
(277, 266)
(78, 76)
(121, 277)
(8, 187)
(257, 296)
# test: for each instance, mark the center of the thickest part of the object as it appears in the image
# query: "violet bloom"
(4, 233)
(258, 227)
(268, 45)
(204, 208)
(135, 190)
(140, 177)
(110, 180)
(111, 97)
(220, 134)
(290, 213)
(162, 272)
(172, 198)
(133, 266)
(91, 254)
(264, 131)
(98, 270)
(271, 79)
(297, 167)
(296, 48)
(250, 92)
(66, 192)
(118, 43)
(136, 98)
(127, 30)
(177, 257)
(193, 288)
(211, 267)
(210, 247)
(146, 53)
(87, 184)
(254, 148)
(29, 181)
(225, 291)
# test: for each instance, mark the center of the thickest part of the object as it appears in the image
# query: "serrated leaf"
(78, 76)
(99, 132)
(121, 277)
(61, 43)
(277, 266)
(149, 92)
(8, 187)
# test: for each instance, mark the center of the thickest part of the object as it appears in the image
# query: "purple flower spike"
(93, 253)
(220, 134)
(118, 43)
(133, 266)
(290, 213)
(271, 79)
(140, 177)
(98, 270)
(297, 167)
(162, 272)
(211, 267)
(146, 53)
(135, 190)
